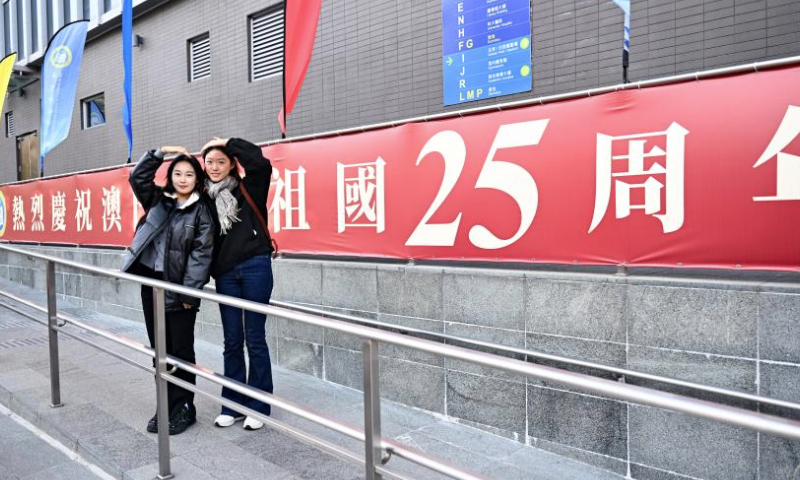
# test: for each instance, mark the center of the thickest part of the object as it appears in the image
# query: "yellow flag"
(5, 75)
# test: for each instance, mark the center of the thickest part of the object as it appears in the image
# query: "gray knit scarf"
(227, 206)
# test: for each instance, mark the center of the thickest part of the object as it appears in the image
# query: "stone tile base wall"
(743, 336)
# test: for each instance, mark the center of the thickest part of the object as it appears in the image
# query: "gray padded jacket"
(189, 236)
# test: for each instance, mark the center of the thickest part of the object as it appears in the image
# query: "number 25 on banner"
(506, 177)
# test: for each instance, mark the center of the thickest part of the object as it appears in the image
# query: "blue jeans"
(250, 280)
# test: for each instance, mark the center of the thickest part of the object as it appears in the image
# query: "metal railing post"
(372, 410)
(52, 334)
(162, 402)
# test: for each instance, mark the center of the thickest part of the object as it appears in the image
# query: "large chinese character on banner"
(19, 213)
(83, 208)
(360, 199)
(288, 206)
(788, 164)
(665, 166)
(37, 213)
(59, 212)
(111, 209)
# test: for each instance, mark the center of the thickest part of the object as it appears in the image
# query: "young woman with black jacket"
(242, 266)
(174, 242)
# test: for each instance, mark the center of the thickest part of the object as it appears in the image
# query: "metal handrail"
(74, 336)
(305, 413)
(372, 337)
(541, 355)
(374, 468)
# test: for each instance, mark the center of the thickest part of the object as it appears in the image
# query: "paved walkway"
(107, 403)
(27, 453)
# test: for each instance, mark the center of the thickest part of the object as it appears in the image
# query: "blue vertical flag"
(127, 63)
(625, 5)
(60, 70)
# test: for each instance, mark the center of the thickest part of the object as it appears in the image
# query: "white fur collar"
(194, 198)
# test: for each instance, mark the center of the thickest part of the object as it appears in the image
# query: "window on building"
(93, 111)
(9, 124)
(266, 44)
(67, 11)
(48, 7)
(7, 26)
(109, 5)
(199, 57)
(21, 52)
(34, 26)
(87, 5)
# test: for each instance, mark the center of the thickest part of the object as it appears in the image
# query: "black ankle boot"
(152, 425)
(182, 419)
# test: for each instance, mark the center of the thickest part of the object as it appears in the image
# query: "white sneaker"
(251, 423)
(227, 420)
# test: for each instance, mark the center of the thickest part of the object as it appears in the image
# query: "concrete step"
(27, 453)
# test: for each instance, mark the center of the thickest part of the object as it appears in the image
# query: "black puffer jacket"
(246, 237)
(189, 235)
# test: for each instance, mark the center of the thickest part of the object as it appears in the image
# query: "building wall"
(168, 109)
(380, 60)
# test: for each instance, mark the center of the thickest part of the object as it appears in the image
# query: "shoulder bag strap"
(260, 218)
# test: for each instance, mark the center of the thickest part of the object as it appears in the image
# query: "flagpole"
(127, 68)
(625, 66)
(626, 40)
(283, 73)
(41, 156)
(625, 6)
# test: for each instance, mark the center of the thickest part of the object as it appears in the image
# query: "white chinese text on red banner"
(698, 174)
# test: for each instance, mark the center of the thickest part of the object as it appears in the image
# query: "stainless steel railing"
(163, 374)
(621, 372)
(378, 450)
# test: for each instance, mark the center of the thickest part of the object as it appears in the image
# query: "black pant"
(180, 344)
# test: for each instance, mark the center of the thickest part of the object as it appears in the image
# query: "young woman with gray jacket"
(173, 242)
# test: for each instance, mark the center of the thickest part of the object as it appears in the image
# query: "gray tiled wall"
(716, 332)
(379, 60)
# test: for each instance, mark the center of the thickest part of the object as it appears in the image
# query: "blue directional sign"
(487, 49)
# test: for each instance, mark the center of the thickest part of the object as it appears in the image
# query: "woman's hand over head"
(215, 142)
(175, 150)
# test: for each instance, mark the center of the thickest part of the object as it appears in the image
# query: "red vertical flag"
(300, 28)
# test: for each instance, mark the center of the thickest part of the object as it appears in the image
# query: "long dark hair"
(198, 171)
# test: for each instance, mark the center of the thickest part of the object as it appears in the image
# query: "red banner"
(697, 174)
(85, 209)
(701, 174)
